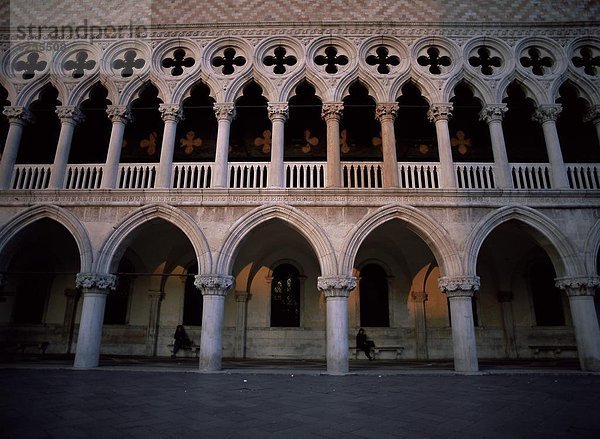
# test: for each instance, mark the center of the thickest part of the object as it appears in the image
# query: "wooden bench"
(41, 346)
(193, 348)
(555, 350)
(377, 350)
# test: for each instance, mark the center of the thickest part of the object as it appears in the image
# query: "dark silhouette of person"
(364, 344)
(181, 340)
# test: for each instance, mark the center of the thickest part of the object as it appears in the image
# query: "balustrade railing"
(531, 175)
(418, 175)
(362, 175)
(137, 175)
(583, 175)
(244, 175)
(191, 175)
(475, 175)
(87, 176)
(305, 175)
(30, 177)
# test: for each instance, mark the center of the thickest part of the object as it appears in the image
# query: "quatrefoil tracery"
(331, 60)
(536, 61)
(128, 63)
(80, 64)
(30, 66)
(485, 61)
(228, 61)
(279, 60)
(382, 60)
(434, 60)
(587, 60)
(178, 62)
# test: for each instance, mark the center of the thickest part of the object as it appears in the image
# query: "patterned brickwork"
(162, 12)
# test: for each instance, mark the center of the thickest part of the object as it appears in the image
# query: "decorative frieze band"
(214, 284)
(578, 286)
(459, 286)
(96, 281)
(493, 113)
(336, 286)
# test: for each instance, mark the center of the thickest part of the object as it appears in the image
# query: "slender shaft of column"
(547, 115)
(593, 115)
(580, 291)
(278, 113)
(440, 113)
(225, 113)
(18, 117)
(156, 298)
(214, 288)
(241, 299)
(419, 298)
(69, 117)
(336, 290)
(492, 115)
(459, 291)
(95, 289)
(120, 116)
(386, 114)
(332, 113)
(171, 114)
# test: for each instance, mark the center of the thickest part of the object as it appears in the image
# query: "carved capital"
(332, 110)
(336, 286)
(459, 286)
(439, 112)
(70, 114)
(225, 111)
(213, 284)
(170, 112)
(419, 296)
(96, 281)
(119, 113)
(278, 111)
(592, 115)
(18, 115)
(547, 113)
(493, 113)
(579, 285)
(387, 111)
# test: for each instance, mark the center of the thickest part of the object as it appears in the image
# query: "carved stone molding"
(592, 114)
(493, 113)
(170, 112)
(119, 113)
(96, 281)
(386, 110)
(332, 110)
(419, 296)
(547, 113)
(336, 286)
(439, 112)
(459, 286)
(225, 111)
(579, 285)
(278, 111)
(213, 284)
(20, 115)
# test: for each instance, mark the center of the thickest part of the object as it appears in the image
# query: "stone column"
(278, 113)
(241, 300)
(508, 324)
(493, 114)
(214, 288)
(171, 114)
(225, 113)
(580, 291)
(332, 113)
(72, 296)
(95, 288)
(440, 114)
(120, 116)
(547, 115)
(69, 118)
(18, 117)
(419, 298)
(156, 298)
(386, 114)
(336, 290)
(593, 115)
(460, 290)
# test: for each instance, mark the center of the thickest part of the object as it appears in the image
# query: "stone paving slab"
(62, 403)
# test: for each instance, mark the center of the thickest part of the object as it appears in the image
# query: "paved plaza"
(165, 399)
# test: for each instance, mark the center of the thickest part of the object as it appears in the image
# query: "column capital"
(18, 115)
(96, 281)
(578, 285)
(70, 114)
(241, 296)
(213, 284)
(386, 110)
(170, 112)
(119, 113)
(336, 286)
(224, 111)
(592, 114)
(278, 111)
(419, 296)
(546, 113)
(441, 111)
(459, 286)
(493, 113)
(332, 110)
(156, 295)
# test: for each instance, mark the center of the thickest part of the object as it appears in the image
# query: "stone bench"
(377, 350)
(555, 350)
(194, 348)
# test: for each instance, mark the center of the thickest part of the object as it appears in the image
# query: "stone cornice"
(214, 284)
